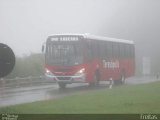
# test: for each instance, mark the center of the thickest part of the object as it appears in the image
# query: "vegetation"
(124, 99)
(32, 65)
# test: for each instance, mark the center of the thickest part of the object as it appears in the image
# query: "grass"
(143, 98)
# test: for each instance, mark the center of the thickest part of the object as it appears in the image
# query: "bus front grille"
(63, 78)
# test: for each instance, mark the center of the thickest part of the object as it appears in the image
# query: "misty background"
(25, 24)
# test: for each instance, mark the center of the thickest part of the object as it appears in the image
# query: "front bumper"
(67, 79)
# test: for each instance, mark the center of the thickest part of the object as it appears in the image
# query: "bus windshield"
(64, 53)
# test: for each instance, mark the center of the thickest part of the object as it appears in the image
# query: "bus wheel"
(121, 81)
(62, 85)
(117, 82)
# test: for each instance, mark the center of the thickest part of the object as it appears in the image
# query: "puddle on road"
(12, 97)
(37, 93)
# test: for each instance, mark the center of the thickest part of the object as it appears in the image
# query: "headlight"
(80, 72)
(48, 72)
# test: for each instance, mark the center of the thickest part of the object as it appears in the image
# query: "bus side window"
(127, 48)
(94, 49)
(102, 49)
(89, 52)
(109, 50)
(118, 50)
(105, 49)
(115, 50)
(129, 51)
(132, 51)
(125, 51)
(122, 50)
(98, 49)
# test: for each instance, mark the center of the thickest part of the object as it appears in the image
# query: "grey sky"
(25, 24)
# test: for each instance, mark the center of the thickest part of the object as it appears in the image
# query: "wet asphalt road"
(19, 95)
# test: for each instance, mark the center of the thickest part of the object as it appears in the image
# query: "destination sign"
(64, 39)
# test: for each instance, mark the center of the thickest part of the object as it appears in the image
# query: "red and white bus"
(76, 58)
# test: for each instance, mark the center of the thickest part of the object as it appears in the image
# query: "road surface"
(19, 95)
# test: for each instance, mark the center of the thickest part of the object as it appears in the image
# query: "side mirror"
(43, 47)
(7, 60)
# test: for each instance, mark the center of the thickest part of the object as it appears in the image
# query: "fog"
(25, 24)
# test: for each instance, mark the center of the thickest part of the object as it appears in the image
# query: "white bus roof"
(89, 36)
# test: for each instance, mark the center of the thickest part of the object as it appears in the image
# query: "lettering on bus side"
(55, 39)
(111, 64)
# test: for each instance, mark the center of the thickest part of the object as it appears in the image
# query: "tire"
(121, 81)
(62, 85)
(117, 82)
